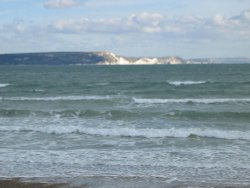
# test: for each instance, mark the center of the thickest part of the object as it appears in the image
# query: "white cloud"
(85, 25)
(243, 17)
(219, 20)
(128, 33)
(246, 15)
(146, 18)
(158, 24)
(146, 23)
(237, 26)
(16, 27)
(150, 23)
(60, 3)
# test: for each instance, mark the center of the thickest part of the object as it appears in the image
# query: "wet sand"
(17, 183)
(110, 182)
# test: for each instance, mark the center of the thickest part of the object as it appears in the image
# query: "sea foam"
(135, 132)
(191, 100)
(57, 98)
(188, 82)
(4, 85)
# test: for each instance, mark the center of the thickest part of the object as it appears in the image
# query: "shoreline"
(18, 183)
(111, 182)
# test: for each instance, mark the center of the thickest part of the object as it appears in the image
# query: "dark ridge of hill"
(50, 58)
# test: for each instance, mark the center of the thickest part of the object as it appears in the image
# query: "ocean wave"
(107, 114)
(4, 85)
(57, 98)
(37, 90)
(162, 133)
(98, 84)
(188, 82)
(190, 100)
(196, 115)
(14, 112)
(126, 114)
(133, 132)
(66, 113)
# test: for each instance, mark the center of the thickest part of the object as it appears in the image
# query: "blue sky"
(186, 28)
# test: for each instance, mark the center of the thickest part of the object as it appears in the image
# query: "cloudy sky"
(186, 28)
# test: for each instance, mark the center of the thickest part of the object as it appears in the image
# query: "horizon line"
(43, 52)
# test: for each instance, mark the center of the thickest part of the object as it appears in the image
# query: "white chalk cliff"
(112, 59)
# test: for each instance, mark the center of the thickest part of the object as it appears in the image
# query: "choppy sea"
(144, 125)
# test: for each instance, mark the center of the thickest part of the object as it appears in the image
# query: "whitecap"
(188, 82)
(58, 98)
(37, 90)
(98, 84)
(135, 132)
(174, 133)
(4, 85)
(191, 100)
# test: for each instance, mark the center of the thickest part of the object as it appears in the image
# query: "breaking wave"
(133, 132)
(189, 100)
(188, 82)
(58, 98)
(37, 90)
(126, 114)
(71, 113)
(196, 115)
(4, 85)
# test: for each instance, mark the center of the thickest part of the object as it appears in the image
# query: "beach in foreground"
(111, 182)
(17, 183)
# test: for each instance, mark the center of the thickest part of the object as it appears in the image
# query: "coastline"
(18, 183)
(112, 182)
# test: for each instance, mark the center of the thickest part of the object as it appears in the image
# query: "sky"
(185, 28)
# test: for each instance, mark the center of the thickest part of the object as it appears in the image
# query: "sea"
(126, 126)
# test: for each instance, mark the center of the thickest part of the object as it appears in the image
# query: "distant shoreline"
(105, 58)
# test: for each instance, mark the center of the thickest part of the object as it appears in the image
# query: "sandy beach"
(17, 183)
(109, 182)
